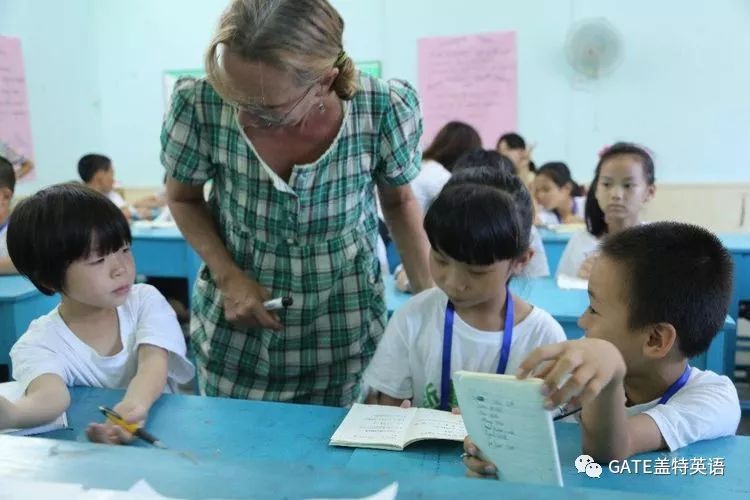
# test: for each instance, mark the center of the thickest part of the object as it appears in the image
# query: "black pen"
(567, 414)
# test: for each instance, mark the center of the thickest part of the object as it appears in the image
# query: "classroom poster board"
(471, 78)
(15, 123)
(371, 68)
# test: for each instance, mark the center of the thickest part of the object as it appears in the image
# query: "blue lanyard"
(679, 384)
(2, 228)
(445, 383)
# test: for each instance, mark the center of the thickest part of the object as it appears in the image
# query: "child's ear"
(650, 193)
(520, 263)
(661, 338)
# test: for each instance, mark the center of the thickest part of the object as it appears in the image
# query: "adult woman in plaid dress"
(295, 142)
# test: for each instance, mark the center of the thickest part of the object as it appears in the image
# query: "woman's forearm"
(403, 216)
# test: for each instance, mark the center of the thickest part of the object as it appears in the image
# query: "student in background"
(623, 184)
(106, 332)
(559, 196)
(453, 140)
(21, 164)
(659, 293)
(514, 147)
(7, 186)
(538, 266)
(473, 227)
(97, 172)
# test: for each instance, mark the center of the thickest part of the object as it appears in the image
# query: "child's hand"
(7, 414)
(402, 281)
(580, 370)
(477, 467)
(109, 433)
(585, 270)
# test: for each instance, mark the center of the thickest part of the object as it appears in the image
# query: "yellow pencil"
(134, 429)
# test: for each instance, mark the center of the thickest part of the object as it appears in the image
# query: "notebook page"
(374, 426)
(565, 282)
(506, 419)
(435, 424)
(13, 391)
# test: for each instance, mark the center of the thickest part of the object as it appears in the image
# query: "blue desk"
(566, 306)
(225, 448)
(738, 245)
(164, 253)
(554, 245)
(20, 303)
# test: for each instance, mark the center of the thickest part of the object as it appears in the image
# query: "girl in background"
(623, 184)
(559, 197)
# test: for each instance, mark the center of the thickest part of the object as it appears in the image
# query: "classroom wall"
(61, 67)
(95, 76)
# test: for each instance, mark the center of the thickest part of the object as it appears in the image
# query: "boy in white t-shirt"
(659, 294)
(97, 172)
(478, 227)
(106, 332)
(7, 186)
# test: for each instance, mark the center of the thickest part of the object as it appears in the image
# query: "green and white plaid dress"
(312, 238)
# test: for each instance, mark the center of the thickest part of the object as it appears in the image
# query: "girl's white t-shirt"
(49, 346)
(581, 245)
(408, 360)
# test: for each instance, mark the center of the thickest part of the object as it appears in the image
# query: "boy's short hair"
(485, 158)
(90, 164)
(675, 273)
(7, 175)
(59, 225)
(480, 217)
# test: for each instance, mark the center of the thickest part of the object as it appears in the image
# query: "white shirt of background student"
(431, 179)
(3, 240)
(550, 218)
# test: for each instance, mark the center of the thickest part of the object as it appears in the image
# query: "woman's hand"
(243, 303)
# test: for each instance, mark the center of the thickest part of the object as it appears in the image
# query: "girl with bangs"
(478, 228)
(107, 332)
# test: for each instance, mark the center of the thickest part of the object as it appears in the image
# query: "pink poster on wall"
(470, 79)
(15, 125)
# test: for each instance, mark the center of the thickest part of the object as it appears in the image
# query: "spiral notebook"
(506, 419)
(13, 391)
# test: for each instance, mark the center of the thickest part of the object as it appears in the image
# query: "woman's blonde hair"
(303, 37)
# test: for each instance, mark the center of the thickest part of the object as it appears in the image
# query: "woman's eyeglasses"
(263, 117)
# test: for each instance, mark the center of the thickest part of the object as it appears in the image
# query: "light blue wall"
(95, 75)
(61, 65)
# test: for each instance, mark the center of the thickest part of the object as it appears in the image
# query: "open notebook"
(506, 419)
(392, 428)
(14, 391)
